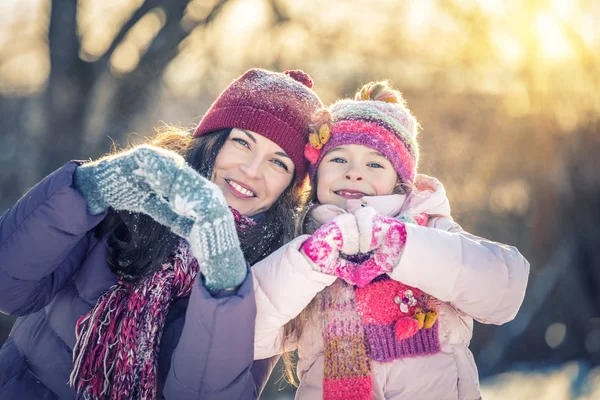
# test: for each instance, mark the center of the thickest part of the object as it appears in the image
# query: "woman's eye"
(338, 160)
(374, 165)
(281, 164)
(242, 142)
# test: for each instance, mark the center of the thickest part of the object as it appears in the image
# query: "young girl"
(397, 325)
(127, 274)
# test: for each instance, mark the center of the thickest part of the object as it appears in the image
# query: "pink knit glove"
(362, 274)
(384, 236)
(323, 248)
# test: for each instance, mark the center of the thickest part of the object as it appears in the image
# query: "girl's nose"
(353, 176)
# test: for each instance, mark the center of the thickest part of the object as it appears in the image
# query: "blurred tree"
(504, 92)
(44, 130)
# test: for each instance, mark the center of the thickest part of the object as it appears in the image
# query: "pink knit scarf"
(350, 344)
(118, 340)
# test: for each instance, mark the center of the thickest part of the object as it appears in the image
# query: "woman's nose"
(251, 168)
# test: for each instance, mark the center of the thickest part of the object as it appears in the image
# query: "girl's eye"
(281, 164)
(338, 160)
(242, 142)
(374, 165)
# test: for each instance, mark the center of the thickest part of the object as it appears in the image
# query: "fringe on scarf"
(118, 341)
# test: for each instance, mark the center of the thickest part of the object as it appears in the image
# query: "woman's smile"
(252, 171)
(240, 190)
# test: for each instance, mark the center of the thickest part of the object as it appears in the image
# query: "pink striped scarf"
(349, 346)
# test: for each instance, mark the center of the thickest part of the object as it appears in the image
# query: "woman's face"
(252, 171)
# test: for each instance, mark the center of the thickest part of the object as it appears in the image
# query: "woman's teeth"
(241, 189)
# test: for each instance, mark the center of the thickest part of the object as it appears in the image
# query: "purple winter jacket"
(52, 271)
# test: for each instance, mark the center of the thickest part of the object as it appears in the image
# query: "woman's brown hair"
(138, 245)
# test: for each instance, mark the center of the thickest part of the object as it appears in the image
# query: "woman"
(93, 264)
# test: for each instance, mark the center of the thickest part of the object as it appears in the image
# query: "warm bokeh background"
(507, 93)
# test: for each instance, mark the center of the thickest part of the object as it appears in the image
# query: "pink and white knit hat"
(377, 118)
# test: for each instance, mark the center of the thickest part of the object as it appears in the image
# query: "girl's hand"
(323, 248)
(384, 236)
(362, 274)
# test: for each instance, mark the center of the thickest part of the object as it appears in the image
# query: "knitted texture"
(160, 184)
(380, 243)
(382, 236)
(388, 310)
(347, 372)
(276, 105)
(118, 341)
(323, 248)
(124, 182)
(217, 248)
(389, 128)
(383, 320)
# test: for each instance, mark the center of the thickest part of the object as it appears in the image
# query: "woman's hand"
(159, 183)
(125, 182)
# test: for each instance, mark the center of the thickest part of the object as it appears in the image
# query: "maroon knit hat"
(276, 105)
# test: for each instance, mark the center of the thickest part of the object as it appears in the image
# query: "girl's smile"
(350, 194)
(353, 171)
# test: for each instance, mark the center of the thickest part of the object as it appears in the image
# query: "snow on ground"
(573, 380)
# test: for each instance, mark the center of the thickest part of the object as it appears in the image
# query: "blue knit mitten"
(122, 182)
(159, 183)
(213, 236)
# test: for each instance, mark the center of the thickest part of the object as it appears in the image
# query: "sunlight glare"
(183, 75)
(236, 28)
(509, 48)
(493, 7)
(125, 58)
(24, 58)
(25, 73)
(196, 10)
(589, 33)
(417, 17)
(562, 8)
(246, 15)
(553, 43)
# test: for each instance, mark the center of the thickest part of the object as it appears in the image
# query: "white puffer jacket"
(476, 278)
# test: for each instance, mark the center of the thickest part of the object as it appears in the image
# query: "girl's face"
(352, 171)
(252, 171)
